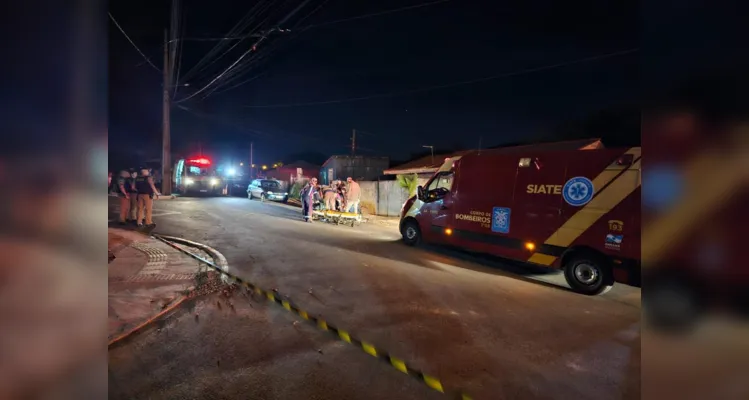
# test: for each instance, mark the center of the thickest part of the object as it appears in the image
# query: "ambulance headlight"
(214, 181)
(189, 181)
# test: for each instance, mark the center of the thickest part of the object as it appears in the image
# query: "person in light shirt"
(353, 196)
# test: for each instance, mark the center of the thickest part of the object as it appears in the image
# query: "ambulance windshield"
(200, 170)
(440, 185)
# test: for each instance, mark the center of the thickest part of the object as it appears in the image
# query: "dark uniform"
(145, 199)
(130, 185)
(122, 192)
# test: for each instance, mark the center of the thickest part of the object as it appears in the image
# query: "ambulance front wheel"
(411, 233)
(588, 274)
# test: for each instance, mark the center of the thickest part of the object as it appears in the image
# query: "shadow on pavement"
(425, 257)
(146, 230)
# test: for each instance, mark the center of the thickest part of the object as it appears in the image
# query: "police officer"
(124, 194)
(146, 190)
(133, 195)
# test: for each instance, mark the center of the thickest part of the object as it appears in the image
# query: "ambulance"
(574, 210)
(197, 176)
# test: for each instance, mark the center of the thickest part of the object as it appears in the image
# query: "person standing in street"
(353, 195)
(123, 193)
(133, 192)
(341, 197)
(329, 194)
(146, 191)
(308, 199)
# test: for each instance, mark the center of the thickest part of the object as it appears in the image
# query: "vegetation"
(296, 189)
(409, 182)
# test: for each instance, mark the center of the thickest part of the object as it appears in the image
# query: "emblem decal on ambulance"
(501, 220)
(578, 191)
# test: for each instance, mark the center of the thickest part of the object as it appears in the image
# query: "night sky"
(369, 73)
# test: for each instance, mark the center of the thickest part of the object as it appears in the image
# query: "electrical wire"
(449, 85)
(179, 49)
(131, 42)
(251, 49)
(240, 26)
(263, 58)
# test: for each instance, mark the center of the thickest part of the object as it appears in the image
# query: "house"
(361, 168)
(289, 173)
(425, 167)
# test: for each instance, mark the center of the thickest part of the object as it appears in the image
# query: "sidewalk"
(386, 221)
(145, 277)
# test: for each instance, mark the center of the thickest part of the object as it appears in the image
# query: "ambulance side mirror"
(420, 192)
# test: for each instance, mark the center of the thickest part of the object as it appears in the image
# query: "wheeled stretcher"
(337, 217)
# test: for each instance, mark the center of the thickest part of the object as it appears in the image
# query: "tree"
(409, 182)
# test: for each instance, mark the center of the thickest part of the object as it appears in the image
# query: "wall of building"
(368, 197)
(384, 198)
(359, 168)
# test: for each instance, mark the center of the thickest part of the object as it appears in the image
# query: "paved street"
(494, 330)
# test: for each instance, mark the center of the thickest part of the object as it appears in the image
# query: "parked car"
(267, 189)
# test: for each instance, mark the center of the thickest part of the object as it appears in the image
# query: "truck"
(574, 210)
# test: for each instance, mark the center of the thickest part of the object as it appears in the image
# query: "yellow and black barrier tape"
(431, 381)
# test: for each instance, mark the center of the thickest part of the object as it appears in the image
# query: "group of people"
(136, 193)
(338, 196)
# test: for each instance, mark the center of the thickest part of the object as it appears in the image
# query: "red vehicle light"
(201, 161)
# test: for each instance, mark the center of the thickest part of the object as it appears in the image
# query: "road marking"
(367, 347)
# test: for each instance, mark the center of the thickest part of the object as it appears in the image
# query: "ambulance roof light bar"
(201, 161)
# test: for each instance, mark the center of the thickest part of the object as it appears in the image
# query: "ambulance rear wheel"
(588, 274)
(411, 233)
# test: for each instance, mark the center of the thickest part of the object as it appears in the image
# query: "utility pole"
(353, 143)
(252, 165)
(166, 167)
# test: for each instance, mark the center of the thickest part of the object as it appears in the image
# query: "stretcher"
(337, 217)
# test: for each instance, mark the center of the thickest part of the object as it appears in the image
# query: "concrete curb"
(218, 258)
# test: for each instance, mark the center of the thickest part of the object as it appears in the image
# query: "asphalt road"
(497, 331)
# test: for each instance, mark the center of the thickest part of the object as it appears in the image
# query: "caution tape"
(324, 325)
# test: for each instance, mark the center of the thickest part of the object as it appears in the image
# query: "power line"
(450, 85)
(131, 42)
(179, 49)
(260, 58)
(254, 12)
(239, 84)
(251, 49)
